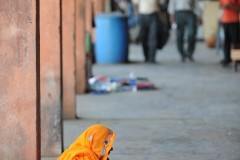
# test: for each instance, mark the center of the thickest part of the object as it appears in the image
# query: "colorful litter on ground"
(103, 85)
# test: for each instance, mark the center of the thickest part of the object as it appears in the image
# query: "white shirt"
(181, 5)
(147, 6)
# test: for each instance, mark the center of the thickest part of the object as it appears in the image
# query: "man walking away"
(184, 13)
(148, 10)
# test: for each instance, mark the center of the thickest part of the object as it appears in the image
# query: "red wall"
(51, 124)
(19, 80)
(81, 84)
(68, 58)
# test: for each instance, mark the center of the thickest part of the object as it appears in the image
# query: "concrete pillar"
(107, 6)
(210, 19)
(89, 17)
(68, 58)
(51, 124)
(98, 6)
(19, 80)
(81, 81)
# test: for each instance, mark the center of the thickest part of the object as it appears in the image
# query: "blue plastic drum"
(111, 39)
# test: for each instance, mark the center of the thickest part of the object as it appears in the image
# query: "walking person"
(184, 14)
(95, 143)
(148, 11)
(230, 23)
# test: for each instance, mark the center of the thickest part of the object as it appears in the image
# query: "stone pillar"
(89, 17)
(210, 19)
(19, 80)
(107, 6)
(98, 7)
(51, 124)
(81, 81)
(68, 58)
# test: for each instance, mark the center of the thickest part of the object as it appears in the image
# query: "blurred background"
(67, 64)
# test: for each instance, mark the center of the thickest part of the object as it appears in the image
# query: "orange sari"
(93, 144)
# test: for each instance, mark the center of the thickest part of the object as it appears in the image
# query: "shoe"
(151, 62)
(183, 59)
(191, 58)
(225, 63)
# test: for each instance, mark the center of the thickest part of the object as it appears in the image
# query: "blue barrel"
(111, 39)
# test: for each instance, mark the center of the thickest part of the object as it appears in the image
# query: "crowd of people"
(152, 15)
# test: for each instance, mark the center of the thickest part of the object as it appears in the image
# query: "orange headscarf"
(93, 144)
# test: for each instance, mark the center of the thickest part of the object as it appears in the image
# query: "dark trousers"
(231, 37)
(148, 35)
(186, 20)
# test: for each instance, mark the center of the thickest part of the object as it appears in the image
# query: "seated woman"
(95, 143)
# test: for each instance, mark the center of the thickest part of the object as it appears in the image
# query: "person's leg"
(234, 32)
(152, 38)
(144, 31)
(192, 29)
(144, 36)
(179, 18)
(227, 44)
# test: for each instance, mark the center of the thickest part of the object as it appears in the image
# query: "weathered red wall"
(81, 81)
(51, 124)
(98, 6)
(92, 9)
(19, 80)
(68, 58)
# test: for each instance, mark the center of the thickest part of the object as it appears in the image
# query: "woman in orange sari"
(95, 143)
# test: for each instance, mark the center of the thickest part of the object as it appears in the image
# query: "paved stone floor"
(194, 113)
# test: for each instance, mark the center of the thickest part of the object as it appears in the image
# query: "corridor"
(194, 113)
